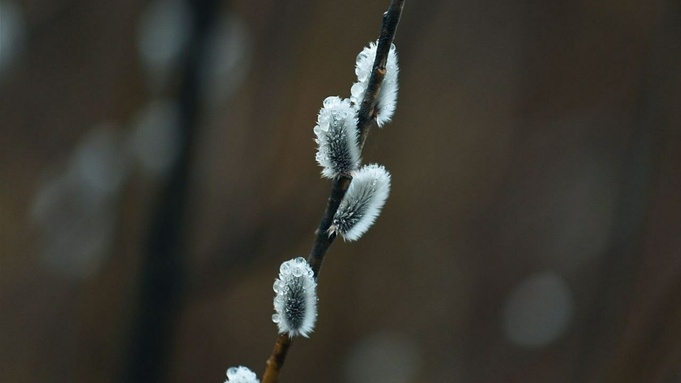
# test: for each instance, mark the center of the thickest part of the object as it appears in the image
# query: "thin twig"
(367, 110)
(323, 238)
(366, 117)
(276, 360)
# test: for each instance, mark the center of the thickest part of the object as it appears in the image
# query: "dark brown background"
(533, 140)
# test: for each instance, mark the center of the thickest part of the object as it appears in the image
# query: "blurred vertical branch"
(163, 273)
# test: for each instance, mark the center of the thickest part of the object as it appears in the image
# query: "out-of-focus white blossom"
(387, 97)
(362, 203)
(538, 310)
(163, 37)
(296, 300)
(241, 374)
(336, 132)
(227, 62)
(12, 33)
(76, 208)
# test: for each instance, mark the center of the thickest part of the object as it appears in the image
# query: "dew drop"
(356, 89)
(329, 101)
(297, 272)
(277, 286)
(232, 372)
(285, 268)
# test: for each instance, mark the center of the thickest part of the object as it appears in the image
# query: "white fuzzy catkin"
(363, 202)
(296, 300)
(241, 374)
(336, 132)
(387, 97)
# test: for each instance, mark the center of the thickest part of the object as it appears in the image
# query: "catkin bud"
(336, 132)
(387, 97)
(362, 203)
(241, 374)
(296, 300)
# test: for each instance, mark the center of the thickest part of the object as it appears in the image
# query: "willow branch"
(367, 110)
(323, 238)
(276, 360)
(366, 117)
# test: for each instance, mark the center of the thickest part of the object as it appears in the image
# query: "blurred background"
(157, 165)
